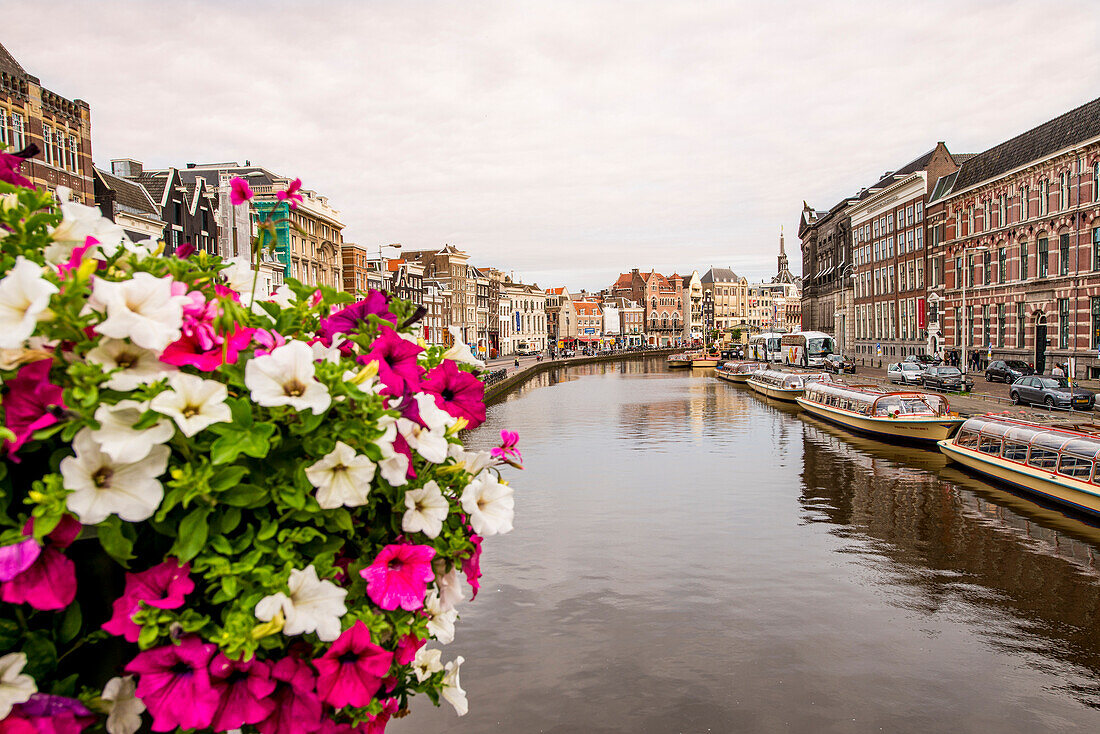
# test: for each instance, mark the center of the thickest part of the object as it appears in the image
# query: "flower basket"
(220, 510)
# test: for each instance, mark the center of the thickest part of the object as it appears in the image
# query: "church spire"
(782, 253)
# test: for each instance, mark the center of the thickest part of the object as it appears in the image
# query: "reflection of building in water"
(953, 546)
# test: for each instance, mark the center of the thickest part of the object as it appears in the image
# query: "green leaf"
(255, 442)
(115, 540)
(192, 535)
(244, 495)
(227, 477)
(41, 655)
(242, 412)
(70, 623)
(10, 634)
(229, 519)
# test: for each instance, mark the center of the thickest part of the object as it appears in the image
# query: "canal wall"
(496, 392)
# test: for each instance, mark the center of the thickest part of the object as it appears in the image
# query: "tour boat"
(704, 360)
(680, 360)
(913, 416)
(781, 385)
(1057, 462)
(739, 371)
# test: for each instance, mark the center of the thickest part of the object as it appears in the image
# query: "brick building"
(187, 208)
(1015, 257)
(663, 301)
(60, 127)
(827, 295)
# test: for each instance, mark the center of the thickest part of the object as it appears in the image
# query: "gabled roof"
(626, 280)
(719, 275)
(130, 196)
(156, 183)
(1064, 131)
(587, 308)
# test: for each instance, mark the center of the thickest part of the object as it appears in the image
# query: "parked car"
(1007, 370)
(837, 364)
(946, 377)
(906, 373)
(924, 360)
(1053, 392)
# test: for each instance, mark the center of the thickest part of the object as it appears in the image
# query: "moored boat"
(912, 416)
(780, 385)
(738, 372)
(704, 360)
(1058, 462)
(680, 360)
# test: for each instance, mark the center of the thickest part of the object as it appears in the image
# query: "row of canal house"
(995, 254)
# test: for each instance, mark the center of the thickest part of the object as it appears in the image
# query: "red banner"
(922, 319)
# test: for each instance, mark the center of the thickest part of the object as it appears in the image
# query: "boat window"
(1083, 447)
(1049, 440)
(1075, 466)
(992, 428)
(1015, 451)
(988, 445)
(967, 439)
(1022, 434)
(975, 424)
(1042, 458)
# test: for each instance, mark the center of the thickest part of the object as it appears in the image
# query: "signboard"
(922, 317)
(589, 331)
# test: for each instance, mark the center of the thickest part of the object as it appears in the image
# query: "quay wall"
(496, 392)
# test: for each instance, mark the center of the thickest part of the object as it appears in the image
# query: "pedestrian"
(517, 363)
(1057, 371)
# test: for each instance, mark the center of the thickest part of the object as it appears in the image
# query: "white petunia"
(15, 685)
(283, 296)
(450, 588)
(101, 487)
(286, 377)
(489, 505)
(452, 689)
(460, 352)
(330, 354)
(136, 365)
(342, 478)
(193, 403)
(314, 605)
(141, 308)
(124, 709)
(118, 439)
(427, 662)
(441, 624)
(78, 223)
(394, 466)
(427, 509)
(474, 462)
(24, 299)
(239, 276)
(430, 443)
(434, 417)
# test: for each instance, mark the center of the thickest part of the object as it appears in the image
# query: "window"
(969, 326)
(1015, 451)
(1002, 255)
(47, 143)
(17, 140)
(3, 125)
(1023, 261)
(987, 270)
(920, 211)
(958, 327)
(967, 439)
(970, 268)
(889, 247)
(1063, 323)
(1025, 192)
(1063, 191)
(909, 236)
(1063, 253)
(990, 445)
(1096, 248)
(1044, 198)
(920, 238)
(1043, 257)
(958, 272)
(970, 220)
(1042, 458)
(987, 331)
(1074, 466)
(1021, 323)
(1096, 181)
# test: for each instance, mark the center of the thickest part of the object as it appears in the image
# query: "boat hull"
(790, 395)
(1064, 490)
(927, 430)
(679, 363)
(736, 377)
(704, 363)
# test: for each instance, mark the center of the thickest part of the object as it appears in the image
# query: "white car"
(906, 373)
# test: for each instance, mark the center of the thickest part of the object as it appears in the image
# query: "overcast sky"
(567, 141)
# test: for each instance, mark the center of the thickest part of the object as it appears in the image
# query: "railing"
(492, 378)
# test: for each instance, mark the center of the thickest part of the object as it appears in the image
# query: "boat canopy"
(874, 401)
(742, 368)
(1068, 452)
(788, 380)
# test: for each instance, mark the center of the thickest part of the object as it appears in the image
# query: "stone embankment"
(529, 368)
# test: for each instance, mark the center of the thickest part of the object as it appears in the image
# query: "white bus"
(766, 347)
(807, 348)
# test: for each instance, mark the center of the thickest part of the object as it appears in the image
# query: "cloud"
(564, 140)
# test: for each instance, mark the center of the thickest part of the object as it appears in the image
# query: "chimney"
(126, 167)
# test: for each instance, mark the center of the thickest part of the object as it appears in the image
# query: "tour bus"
(766, 347)
(807, 348)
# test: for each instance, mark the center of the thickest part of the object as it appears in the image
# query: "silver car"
(905, 373)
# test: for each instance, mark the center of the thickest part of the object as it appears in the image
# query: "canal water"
(689, 558)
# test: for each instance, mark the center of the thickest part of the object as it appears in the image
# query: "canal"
(689, 558)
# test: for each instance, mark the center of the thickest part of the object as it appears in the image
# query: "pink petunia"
(457, 392)
(351, 671)
(297, 707)
(163, 586)
(291, 195)
(377, 724)
(471, 566)
(507, 450)
(406, 649)
(186, 250)
(45, 579)
(399, 576)
(268, 340)
(244, 689)
(48, 714)
(31, 402)
(350, 320)
(174, 684)
(398, 362)
(205, 349)
(239, 191)
(10, 164)
(76, 257)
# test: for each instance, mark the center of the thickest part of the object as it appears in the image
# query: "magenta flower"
(31, 402)
(41, 576)
(457, 392)
(398, 365)
(174, 684)
(377, 724)
(201, 347)
(10, 164)
(297, 707)
(399, 576)
(239, 191)
(48, 714)
(350, 320)
(244, 690)
(163, 586)
(268, 340)
(351, 671)
(507, 450)
(291, 195)
(471, 566)
(186, 250)
(406, 649)
(76, 257)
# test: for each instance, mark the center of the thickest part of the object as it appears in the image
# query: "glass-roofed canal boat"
(680, 360)
(910, 416)
(1058, 462)
(780, 385)
(738, 372)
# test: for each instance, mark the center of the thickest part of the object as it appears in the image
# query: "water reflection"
(688, 557)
